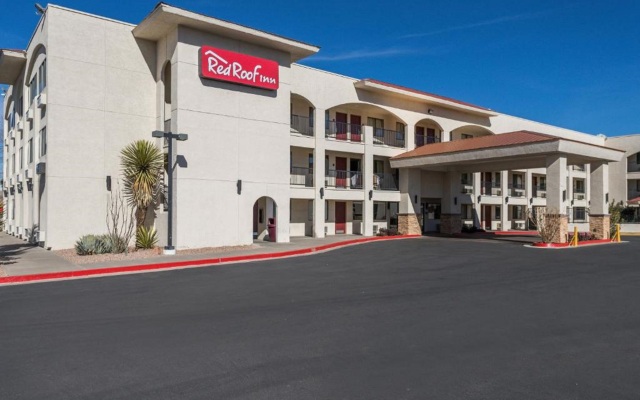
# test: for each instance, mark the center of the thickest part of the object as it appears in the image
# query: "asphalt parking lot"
(425, 318)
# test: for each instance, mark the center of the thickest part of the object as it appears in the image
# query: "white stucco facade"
(314, 155)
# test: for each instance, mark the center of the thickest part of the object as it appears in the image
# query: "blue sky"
(574, 64)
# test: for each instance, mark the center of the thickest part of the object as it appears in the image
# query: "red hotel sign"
(239, 68)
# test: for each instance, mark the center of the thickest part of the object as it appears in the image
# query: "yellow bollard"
(616, 236)
(574, 240)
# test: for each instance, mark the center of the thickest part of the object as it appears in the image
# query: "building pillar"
(318, 174)
(599, 219)
(506, 193)
(367, 200)
(410, 137)
(557, 194)
(476, 197)
(450, 217)
(528, 192)
(410, 190)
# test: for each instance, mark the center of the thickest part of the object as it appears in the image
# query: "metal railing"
(386, 137)
(343, 179)
(344, 131)
(384, 181)
(516, 189)
(301, 125)
(491, 188)
(421, 140)
(301, 176)
(540, 191)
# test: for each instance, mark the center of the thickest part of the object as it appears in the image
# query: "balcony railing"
(516, 189)
(491, 189)
(540, 191)
(384, 182)
(421, 140)
(344, 131)
(301, 176)
(343, 179)
(386, 137)
(302, 125)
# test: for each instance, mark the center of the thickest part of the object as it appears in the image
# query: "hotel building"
(269, 140)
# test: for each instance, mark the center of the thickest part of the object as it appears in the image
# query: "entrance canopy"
(513, 150)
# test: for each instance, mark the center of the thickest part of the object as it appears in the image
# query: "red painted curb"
(191, 263)
(562, 245)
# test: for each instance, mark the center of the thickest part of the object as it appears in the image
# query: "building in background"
(272, 143)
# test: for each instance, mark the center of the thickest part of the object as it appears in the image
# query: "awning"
(12, 63)
(513, 150)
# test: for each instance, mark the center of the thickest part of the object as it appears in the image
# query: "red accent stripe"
(193, 263)
(583, 243)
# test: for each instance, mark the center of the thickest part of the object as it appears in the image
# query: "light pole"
(169, 249)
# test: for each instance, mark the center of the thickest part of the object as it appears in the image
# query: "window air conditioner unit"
(19, 179)
(12, 134)
(41, 100)
(28, 174)
(41, 168)
(10, 181)
(499, 226)
(375, 229)
(520, 225)
(499, 192)
(30, 114)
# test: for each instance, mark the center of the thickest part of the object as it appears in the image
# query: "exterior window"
(466, 136)
(13, 163)
(310, 162)
(518, 212)
(498, 212)
(20, 159)
(638, 158)
(43, 141)
(399, 131)
(19, 107)
(30, 151)
(357, 211)
(637, 185)
(379, 211)
(579, 214)
(326, 210)
(42, 73)
(310, 210)
(378, 166)
(33, 89)
(311, 112)
(378, 126)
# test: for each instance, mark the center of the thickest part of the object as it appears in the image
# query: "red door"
(341, 126)
(341, 172)
(420, 136)
(486, 217)
(341, 217)
(356, 128)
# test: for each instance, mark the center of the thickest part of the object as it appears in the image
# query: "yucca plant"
(146, 238)
(142, 163)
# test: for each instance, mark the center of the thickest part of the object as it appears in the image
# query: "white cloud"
(367, 53)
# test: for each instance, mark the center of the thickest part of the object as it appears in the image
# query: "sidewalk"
(20, 262)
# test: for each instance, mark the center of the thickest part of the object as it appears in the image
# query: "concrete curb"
(164, 266)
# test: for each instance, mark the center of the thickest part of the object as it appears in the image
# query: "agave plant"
(146, 238)
(142, 163)
(86, 245)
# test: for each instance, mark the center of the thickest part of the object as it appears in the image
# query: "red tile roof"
(479, 143)
(634, 200)
(426, 94)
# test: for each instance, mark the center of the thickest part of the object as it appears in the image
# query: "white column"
(528, 185)
(504, 212)
(367, 201)
(599, 188)
(410, 137)
(477, 193)
(451, 191)
(557, 194)
(318, 173)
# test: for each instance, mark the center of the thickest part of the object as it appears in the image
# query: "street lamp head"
(182, 137)
(157, 134)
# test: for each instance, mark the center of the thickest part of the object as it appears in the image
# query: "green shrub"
(146, 238)
(86, 245)
(104, 244)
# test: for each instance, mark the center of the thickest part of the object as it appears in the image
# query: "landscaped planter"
(560, 245)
